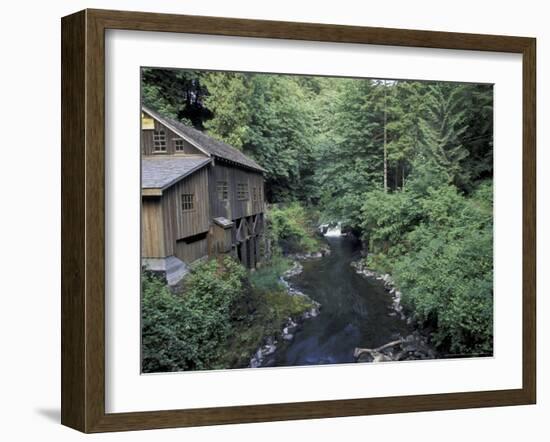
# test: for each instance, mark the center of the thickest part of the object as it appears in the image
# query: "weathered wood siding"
(180, 224)
(220, 240)
(191, 251)
(234, 208)
(147, 147)
(152, 231)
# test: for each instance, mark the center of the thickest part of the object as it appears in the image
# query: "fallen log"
(374, 351)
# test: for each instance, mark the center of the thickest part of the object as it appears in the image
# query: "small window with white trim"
(159, 141)
(178, 145)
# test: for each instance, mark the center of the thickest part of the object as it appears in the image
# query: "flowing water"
(355, 311)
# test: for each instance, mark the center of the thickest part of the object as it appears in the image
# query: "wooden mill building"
(200, 197)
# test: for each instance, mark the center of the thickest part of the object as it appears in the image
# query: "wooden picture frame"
(83, 216)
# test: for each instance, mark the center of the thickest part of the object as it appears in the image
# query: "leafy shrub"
(267, 277)
(163, 338)
(292, 229)
(219, 320)
(186, 332)
(438, 244)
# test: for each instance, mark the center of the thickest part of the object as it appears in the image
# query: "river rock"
(296, 269)
(314, 312)
(268, 350)
(325, 251)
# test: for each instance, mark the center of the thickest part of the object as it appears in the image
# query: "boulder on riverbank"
(323, 251)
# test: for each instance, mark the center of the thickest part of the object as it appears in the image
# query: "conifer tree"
(351, 163)
(441, 129)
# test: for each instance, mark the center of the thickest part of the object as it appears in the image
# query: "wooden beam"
(151, 192)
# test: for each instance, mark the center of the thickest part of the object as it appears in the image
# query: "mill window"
(223, 191)
(159, 141)
(242, 191)
(178, 144)
(187, 202)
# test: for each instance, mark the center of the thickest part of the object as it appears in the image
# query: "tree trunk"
(385, 139)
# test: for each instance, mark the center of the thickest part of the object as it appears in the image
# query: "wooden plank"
(73, 249)
(152, 229)
(529, 222)
(95, 221)
(156, 22)
(151, 192)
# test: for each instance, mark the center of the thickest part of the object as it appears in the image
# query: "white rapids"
(334, 231)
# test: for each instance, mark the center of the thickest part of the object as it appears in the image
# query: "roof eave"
(257, 169)
(179, 178)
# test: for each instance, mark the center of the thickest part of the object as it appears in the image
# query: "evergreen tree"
(351, 163)
(405, 107)
(442, 127)
(228, 100)
(478, 139)
(176, 93)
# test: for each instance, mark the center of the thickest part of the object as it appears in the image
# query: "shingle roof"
(206, 143)
(160, 172)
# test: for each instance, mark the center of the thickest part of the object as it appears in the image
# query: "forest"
(405, 166)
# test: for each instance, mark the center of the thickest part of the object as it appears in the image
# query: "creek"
(355, 311)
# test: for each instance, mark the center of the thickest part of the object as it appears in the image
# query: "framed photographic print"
(267, 220)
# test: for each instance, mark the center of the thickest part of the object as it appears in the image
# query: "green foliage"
(219, 319)
(176, 93)
(405, 104)
(264, 314)
(438, 247)
(227, 99)
(350, 160)
(267, 277)
(322, 142)
(185, 332)
(387, 217)
(163, 337)
(292, 229)
(442, 129)
(271, 119)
